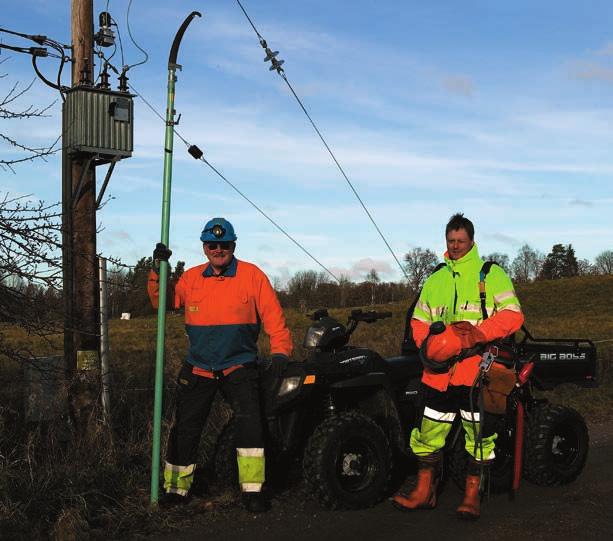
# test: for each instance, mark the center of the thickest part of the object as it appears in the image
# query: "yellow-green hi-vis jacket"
(451, 295)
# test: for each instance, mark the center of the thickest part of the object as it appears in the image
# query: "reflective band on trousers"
(439, 415)
(251, 468)
(178, 479)
(468, 416)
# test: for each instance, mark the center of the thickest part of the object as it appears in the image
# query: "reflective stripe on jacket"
(451, 295)
(223, 314)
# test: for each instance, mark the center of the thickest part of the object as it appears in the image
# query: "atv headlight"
(313, 336)
(288, 385)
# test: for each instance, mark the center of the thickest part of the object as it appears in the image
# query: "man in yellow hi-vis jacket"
(452, 296)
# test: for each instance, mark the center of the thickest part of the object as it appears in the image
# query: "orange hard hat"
(443, 346)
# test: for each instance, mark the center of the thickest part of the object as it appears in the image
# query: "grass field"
(50, 487)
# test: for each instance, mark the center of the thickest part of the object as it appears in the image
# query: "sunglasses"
(222, 245)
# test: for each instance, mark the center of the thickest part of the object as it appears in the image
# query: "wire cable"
(269, 219)
(235, 188)
(276, 65)
(120, 42)
(37, 52)
(146, 59)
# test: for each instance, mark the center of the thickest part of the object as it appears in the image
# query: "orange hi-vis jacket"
(223, 314)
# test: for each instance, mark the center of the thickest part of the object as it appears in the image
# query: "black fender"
(388, 416)
(372, 379)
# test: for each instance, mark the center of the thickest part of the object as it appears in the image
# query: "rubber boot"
(423, 496)
(470, 508)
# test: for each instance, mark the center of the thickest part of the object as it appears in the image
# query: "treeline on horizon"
(308, 289)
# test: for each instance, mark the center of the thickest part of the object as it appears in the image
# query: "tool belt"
(501, 377)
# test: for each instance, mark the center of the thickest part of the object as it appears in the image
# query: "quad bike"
(345, 414)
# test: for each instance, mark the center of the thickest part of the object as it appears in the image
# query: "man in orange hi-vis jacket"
(225, 301)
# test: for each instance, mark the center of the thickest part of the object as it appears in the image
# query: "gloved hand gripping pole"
(163, 275)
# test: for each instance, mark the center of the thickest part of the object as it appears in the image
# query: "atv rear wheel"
(347, 462)
(556, 446)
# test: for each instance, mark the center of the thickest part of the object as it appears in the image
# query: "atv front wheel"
(347, 462)
(556, 446)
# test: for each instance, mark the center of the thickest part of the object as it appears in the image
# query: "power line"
(132, 38)
(276, 66)
(195, 152)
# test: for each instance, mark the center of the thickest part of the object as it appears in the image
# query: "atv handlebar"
(356, 315)
(368, 317)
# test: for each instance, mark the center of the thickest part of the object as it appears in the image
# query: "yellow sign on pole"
(87, 360)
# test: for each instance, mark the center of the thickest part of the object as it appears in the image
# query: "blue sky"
(501, 110)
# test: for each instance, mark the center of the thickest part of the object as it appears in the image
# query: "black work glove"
(161, 253)
(277, 365)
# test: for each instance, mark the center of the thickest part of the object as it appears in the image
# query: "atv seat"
(405, 366)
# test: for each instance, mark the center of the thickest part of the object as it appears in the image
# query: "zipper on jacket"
(455, 294)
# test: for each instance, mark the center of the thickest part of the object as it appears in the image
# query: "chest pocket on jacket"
(196, 300)
(469, 307)
(240, 307)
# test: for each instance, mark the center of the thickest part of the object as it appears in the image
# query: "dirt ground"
(581, 510)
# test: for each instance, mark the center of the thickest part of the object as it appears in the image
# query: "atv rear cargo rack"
(559, 360)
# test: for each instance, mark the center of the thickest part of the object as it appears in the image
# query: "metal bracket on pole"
(77, 193)
(106, 181)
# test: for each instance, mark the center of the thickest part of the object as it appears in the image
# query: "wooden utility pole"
(82, 342)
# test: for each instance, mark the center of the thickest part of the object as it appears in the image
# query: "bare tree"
(502, 260)
(604, 262)
(302, 287)
(30, 267)
(584, 267)
(373, 279)
(10, 109)
(527, 264)
(419, 264)
(344, 284)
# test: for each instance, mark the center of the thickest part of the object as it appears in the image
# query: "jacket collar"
(228, 272)
(471, 258)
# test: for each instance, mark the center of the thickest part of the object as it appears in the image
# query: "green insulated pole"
(161, 328)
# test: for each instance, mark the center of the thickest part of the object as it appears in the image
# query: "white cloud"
(460, 85)
(592, 71)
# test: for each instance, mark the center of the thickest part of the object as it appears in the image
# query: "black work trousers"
(195, 396)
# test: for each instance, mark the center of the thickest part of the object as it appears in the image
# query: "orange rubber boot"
(470, 508)
(423, 496)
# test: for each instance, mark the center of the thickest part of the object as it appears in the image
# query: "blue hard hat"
(218, 229)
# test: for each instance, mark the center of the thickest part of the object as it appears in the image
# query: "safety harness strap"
(482, 274)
